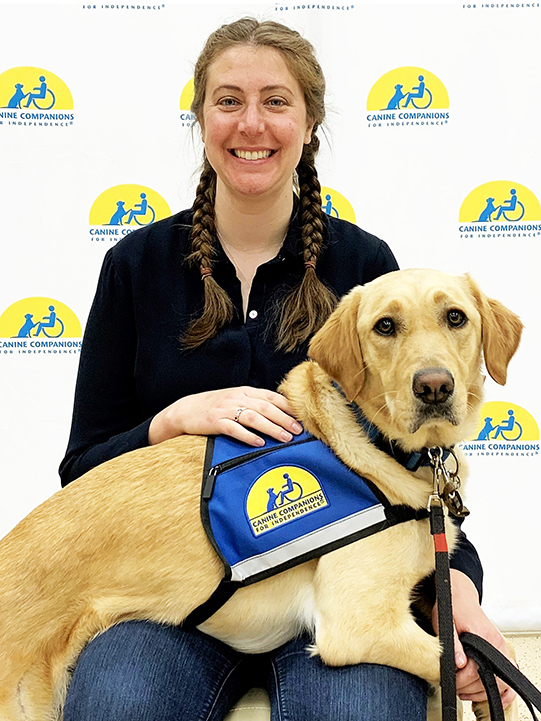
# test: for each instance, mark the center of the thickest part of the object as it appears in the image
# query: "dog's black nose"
(433, 385)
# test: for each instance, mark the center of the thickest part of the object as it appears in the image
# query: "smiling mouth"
(251, 154)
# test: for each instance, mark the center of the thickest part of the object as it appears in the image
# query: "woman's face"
(254, 121)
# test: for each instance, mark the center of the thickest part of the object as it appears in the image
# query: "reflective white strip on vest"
(309, 542)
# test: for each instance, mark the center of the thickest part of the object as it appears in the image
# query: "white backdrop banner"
(432, 143)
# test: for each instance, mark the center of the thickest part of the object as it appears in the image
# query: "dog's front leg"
(363, 596)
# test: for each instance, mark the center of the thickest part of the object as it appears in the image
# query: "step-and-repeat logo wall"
(423, 143)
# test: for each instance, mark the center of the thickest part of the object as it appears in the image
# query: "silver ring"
(237, 414)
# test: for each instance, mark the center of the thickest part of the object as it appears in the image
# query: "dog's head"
(408, 349)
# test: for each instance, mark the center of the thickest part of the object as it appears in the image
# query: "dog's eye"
(385, 326)
(456, 318)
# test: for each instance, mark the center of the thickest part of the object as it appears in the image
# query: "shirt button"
(252, 314)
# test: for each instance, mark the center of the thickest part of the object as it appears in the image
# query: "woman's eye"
(276, 102)
(456, 318)
(385, 326)
(228, 102)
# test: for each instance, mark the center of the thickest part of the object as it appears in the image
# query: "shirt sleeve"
(466, 559)
(384, 262)
(106, 418)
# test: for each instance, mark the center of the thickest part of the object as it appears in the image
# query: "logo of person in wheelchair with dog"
(500, 206)
(50, 326)
(31, 88)
(127, 206)
(505, 426)
(410, 88)
(419, 97)
(39, 318)
(281, 495)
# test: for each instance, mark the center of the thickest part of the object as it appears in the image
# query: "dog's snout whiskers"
(433, 385)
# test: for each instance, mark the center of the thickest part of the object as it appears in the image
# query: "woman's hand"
(214, 412)
(469, 616)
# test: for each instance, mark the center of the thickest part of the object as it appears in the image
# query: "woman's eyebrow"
(276, 87)
(227, 87)
(267, 88)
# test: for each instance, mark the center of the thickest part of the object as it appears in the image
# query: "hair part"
(306, 307)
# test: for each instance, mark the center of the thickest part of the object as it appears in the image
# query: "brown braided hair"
(306, 307)
(218, 309)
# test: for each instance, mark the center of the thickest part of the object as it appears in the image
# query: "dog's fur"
(125, 541)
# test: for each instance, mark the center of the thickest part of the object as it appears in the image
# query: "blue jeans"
(139, 671)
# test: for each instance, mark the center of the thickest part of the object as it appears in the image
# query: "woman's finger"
(269, 419)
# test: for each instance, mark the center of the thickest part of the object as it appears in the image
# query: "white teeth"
(252, 155)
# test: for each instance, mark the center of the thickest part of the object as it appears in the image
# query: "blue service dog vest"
(270, 509)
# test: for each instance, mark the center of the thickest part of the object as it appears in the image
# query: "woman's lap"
(302, 688)
(139, 671)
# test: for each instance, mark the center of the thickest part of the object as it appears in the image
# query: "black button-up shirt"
(132, 361)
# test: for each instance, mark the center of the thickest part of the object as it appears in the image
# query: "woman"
(195, 322)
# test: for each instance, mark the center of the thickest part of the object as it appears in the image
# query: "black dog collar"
(411, 461)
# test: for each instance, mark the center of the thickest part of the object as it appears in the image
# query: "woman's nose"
(252, 122)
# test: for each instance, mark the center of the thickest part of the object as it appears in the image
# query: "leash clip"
(446, 483)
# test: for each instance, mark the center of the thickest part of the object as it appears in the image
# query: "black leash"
(445, 614)
(490, 661)
(442, 479)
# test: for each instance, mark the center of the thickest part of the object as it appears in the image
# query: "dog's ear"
(501, 332)
(336, 347)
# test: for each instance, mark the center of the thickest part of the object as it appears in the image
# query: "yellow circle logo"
(134, 205)
(336, 205)
(504, 421)
(282, 495)
(39, 318)
(29, 88)
(500, 200)
(408, 87)
(186, 97)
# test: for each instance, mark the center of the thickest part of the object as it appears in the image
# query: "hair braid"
(308, 306)
(218, 308)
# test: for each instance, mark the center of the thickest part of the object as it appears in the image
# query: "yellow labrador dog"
(125, 541)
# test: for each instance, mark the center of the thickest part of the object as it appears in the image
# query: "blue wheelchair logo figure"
(142, 213)
(51, 326)
(419, 96)
(40, 97)
(291, 491)
(511, 209)
(509, 429)
(328, 207)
